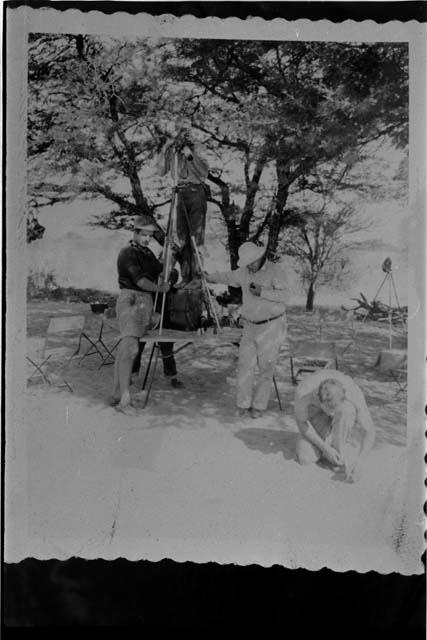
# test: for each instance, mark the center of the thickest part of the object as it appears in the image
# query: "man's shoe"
(256, 413)
(112, 401)
(127, 409)
(177, 384)
(242, 413)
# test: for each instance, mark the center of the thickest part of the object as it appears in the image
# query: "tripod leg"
(166, 257)
(205, 284)
(376, 295)
(147, 370)
(380, 287)
(195, 250)
(277, 394)
(156, 346)
(395, 291)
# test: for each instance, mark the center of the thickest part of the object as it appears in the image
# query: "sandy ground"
(189, 481)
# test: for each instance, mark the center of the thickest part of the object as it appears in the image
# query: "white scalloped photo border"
(24, 20)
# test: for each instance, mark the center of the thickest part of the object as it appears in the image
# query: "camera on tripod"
(183, 141)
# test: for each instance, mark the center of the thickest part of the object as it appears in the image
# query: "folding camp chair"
(394, 363)
(57, 348)
(308, 357)
(400, 377)
(98, 345)
(37, 360)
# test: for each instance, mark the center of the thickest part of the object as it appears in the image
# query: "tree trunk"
(130, 169)
(128, 161)
(309, 305)
(276, 225)
(229, 213)
(252, 186)
(233, 250)
(277, 221)
(233, 244)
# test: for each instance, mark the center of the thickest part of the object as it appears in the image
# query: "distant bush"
(43, 286)
(40, 284)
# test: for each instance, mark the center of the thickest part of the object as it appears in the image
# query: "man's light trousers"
(260, 345)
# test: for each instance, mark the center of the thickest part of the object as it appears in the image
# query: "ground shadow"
(208, 397)
(269, 441)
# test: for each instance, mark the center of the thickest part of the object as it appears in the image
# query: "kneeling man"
(328, 404)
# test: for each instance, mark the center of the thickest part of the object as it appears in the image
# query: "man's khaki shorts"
(134, 309)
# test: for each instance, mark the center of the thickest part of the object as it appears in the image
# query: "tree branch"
(238, 144)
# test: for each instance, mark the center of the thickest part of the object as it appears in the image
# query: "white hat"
(248, 253)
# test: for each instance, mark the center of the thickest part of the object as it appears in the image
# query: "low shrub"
(43, 286)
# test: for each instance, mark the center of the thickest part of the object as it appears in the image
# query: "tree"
(270, 114)
(319, 241)
(93, 116)
(325, 223)
(294, 106)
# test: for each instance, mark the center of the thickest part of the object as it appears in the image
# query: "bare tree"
(319, 240)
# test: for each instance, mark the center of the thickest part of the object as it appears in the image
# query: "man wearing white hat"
(264, 317)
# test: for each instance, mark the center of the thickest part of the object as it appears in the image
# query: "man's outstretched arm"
(223, 277)
(198, 162)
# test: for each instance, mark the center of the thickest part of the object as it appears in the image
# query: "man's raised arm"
(163, 163)
(200, 165)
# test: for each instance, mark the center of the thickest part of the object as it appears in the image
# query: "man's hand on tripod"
(163, 287)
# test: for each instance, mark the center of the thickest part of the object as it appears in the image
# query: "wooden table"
(223, 336)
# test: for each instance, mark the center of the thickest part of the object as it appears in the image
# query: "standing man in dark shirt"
(189, 173)
(138, 272)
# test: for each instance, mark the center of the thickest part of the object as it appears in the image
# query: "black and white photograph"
(215, 291)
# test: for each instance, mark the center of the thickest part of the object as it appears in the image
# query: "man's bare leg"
(126, 352)
(342, 424)
(306, 453)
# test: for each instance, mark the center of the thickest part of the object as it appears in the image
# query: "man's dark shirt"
(135, 262)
